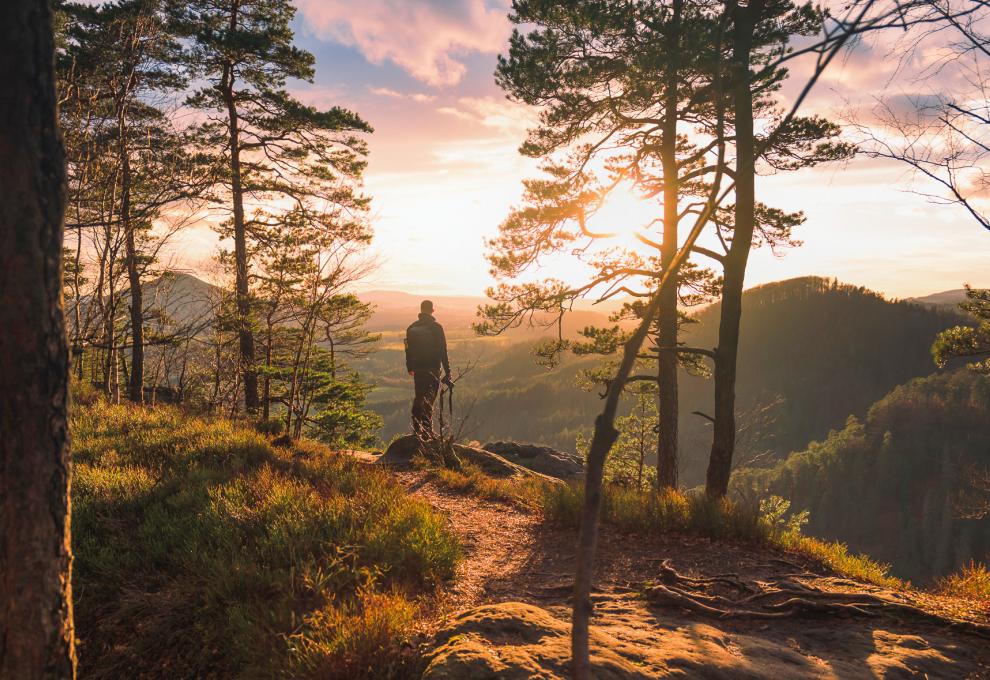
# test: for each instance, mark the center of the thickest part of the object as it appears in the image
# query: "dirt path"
(512, 556)
(500, 543)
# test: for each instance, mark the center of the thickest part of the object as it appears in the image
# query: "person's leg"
(431, 387)
(420, 385)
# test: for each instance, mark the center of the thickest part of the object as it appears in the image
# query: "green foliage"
(201, 550)
(244, 51)
(891, 486)
(776, 512)
(637, 442)
(968, 341)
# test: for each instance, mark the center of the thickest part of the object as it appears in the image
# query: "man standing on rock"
(426, 354)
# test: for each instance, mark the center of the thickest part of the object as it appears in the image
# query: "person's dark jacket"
(436, 359)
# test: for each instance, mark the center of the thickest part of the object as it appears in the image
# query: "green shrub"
(202, 550)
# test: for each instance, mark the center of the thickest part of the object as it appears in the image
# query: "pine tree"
(269, 148)
(971, 342)
(620, 84)
(760, 32)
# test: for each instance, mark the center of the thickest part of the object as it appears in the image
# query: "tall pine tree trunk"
(245, 332)
(667, 399)
(726, 354)
(36, 634)
(135, 387)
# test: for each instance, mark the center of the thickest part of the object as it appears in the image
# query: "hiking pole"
(450, 398)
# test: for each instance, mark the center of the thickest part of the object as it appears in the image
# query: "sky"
(445, 170)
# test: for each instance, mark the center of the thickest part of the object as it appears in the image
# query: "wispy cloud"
(395, 94)
(424, 37)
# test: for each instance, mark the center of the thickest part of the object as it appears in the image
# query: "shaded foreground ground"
(521, 569)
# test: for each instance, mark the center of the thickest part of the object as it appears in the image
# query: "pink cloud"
(424, 37)
(394, 94)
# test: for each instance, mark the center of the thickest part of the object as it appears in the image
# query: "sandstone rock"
(631, 641)
(543, 459)
(401, 451)
(516, 641)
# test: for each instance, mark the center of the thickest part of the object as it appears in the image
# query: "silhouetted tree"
(270, 148)
(35, 555)
(620, 84)
(127, 161)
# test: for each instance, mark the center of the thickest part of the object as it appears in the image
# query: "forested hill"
(812, 352)
(906, 484)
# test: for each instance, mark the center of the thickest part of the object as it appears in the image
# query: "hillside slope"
(897, 485)
(812, 352)
(203, 551)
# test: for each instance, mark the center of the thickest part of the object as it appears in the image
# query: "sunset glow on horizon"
(444, 168)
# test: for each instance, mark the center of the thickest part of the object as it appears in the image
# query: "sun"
(625, 214)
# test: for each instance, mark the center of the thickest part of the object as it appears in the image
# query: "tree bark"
(726, 354)
(667, 397)
(245, 334)
(135, 387)
(36, 633)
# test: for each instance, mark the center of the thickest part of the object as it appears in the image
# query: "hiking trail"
(506, 612)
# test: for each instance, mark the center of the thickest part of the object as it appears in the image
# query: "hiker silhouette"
(426, 354)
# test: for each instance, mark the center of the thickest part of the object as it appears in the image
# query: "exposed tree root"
(727, 597)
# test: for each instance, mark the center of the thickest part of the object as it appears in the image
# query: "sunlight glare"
(625, 214)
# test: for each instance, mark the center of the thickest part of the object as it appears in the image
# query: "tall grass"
(665, 511)
(203, 551)
(768, 523)
(971, 582)
(470, 479)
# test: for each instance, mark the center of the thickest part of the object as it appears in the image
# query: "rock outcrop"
(402, 450)
(631, 641)
(540, 458)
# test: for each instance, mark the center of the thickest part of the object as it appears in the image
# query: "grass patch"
(655, 512)
(972, 582)
(471, 480)
(766, 523)
(203, 551)
(836, 556)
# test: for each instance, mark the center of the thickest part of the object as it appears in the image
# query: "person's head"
(426, 307)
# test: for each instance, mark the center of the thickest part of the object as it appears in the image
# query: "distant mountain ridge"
(394, 310)
(946, 297)
(812, 353)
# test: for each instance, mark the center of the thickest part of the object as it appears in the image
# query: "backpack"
(422, 346)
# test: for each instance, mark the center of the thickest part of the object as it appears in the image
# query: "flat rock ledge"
(632, 641)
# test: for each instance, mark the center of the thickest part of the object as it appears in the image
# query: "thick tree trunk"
(36, 634)
(724, 436)
(667, 397)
